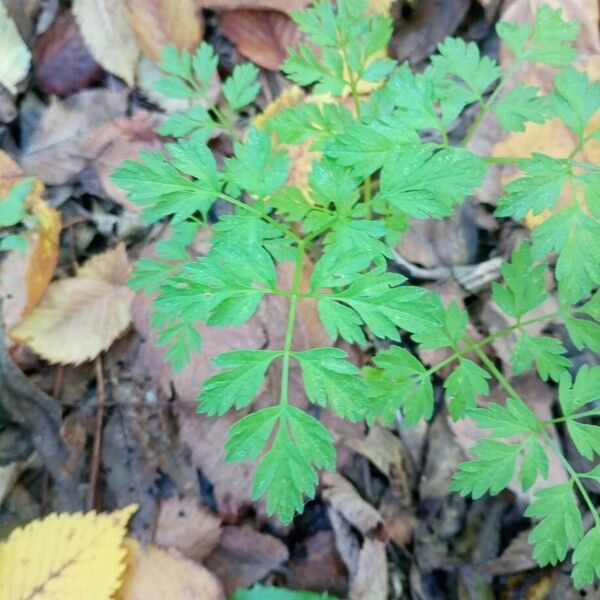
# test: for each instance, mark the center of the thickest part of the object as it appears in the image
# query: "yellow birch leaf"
(65, 557)
(81, 316)
(156, 574)
(108, 33)
(15, 56)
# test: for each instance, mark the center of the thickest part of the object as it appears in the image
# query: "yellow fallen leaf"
(24, 277)
(81, 316)
(156, 574)
(16, 57)
(108, 33)
(65, 557)
(157, 23)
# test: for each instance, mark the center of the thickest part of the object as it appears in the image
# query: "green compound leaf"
(547, 352)
(296, 124)
(465, 383)
(12, 206)
(195, 118)
(378, 300)
(524, 284)
(427, 183)
(182, 341)
(491, 470)
(247, 438)
(449, 332)
(255, 167)
(463, 60)
(287, 473)
(560, 527)
(576, 99)
(586, 558)
(521, 105)
(305, 68)
(535, 463)
(539, 190)
(583, 333)
(149, 274)
(242, 87)
(163, 188)
(331, 380)
(399, 381)
(585, 437)
(585, 388)
(511, 420)
(546, 42)
(238, 384)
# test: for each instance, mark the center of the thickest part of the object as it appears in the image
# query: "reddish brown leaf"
(61, 61)
(263, 36)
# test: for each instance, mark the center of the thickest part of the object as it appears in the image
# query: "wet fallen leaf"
(157, 23)
(184, 524)
(81, 316)
(15, 54)
(156, 574)
(62, 64)
(56, 152)
(244, 556)
(107, 30)
(263, 36)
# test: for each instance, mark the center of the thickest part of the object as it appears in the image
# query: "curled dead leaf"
(81, 316)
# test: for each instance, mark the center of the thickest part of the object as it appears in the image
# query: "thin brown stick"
(97, 448)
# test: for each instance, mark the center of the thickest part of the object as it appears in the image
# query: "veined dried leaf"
(287, 6)
(24, 277)
(15, 54)
(156, 574)
(81, 316)
(107, 30)
(157, 23)
(66, 556)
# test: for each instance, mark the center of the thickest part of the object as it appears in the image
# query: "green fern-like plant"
(376, 170)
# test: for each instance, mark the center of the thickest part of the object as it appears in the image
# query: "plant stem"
(594, 412)
(289, 332)
(487, 340)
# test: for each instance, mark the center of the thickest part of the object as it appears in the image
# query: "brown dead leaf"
(244, 556)
(24, 277)
(81, 316)
(56, 152)
(263, 36)
(115, 141)
(156, 574)
(108, 33)
(184, 524)
(287, 6)
(61, 61)
(370, 582)
(157, 23)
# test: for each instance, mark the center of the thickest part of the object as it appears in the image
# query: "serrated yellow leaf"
(65, 557)
(157, 574)
(81, 316)
(15, 56)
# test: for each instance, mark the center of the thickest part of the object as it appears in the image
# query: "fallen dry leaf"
(107, 30)
(24, 277)
(15, 54)
(370, 582)
(156, 574)
(263, 36)
(184, 524)
(244, 556)
(56, 152)
(114, 142)
(62, 64)
(157, 23)
(287, 6)
(81, 316)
